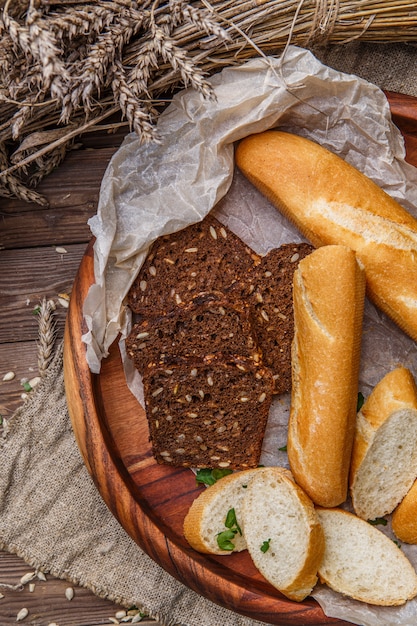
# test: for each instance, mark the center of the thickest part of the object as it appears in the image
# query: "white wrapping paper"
(150, 190)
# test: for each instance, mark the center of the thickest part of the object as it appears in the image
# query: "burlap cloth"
(51, 513)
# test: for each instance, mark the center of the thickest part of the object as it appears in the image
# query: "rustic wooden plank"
(47, 603)
(26, 277)
(104, 137)
(72, 191)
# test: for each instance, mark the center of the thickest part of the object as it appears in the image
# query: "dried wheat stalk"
(65, 67)
(47, 334)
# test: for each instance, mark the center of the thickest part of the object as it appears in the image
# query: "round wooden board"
(150, 500)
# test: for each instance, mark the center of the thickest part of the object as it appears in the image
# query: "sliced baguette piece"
(328, 296)
(384, 457)
(331, 202)
(276, 510)
(361, 562)
(207, 514)
(404, 518)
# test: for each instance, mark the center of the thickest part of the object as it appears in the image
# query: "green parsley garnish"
(283, 449)
(26, 387)
(361, 400)
(231, 521)
(265, 546)
(208, 476)
(224, 539)
(381, 521)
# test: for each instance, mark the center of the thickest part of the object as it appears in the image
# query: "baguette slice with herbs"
(282, 532)
(363, 563)
(213, 524)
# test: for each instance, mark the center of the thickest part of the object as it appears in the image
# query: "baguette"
(278, 516)
(404, 518)
(328, 294)
(384, 457)
(361, 562)
(331, 202)
(207, 514)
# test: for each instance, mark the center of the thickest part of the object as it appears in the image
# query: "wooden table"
(31, 269)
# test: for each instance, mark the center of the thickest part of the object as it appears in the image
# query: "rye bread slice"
(202, 257)
(208, 414)
(208, 325)
(270, 297)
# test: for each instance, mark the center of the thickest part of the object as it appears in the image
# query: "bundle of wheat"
(67, 66)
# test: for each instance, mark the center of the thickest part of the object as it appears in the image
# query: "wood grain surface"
(151, 500)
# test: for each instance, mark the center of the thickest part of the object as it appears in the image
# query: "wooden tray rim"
(127, 507)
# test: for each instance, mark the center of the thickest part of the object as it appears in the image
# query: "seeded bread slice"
(209, 324)
(207, 515)
(204, 256)
(270, 284)
(361, 562)
(208, 413)
(282, 532)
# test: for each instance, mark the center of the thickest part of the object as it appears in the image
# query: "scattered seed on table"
(64, 303)
(9, 376)
(120, 614)
(27, 578)
(22, 614)
(31, 587)
(41, 576)
(61, 250)
(69, 593)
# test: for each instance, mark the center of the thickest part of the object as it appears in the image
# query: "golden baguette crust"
(328, 293)
(384, 455)
(404, 518)
(331, 202)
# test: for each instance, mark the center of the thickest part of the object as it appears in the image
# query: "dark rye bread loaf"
(208, 414)
(209, 324)
(206, 303)
(201, 257)
(270, 289)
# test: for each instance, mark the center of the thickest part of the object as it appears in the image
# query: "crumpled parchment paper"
(150, 190)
